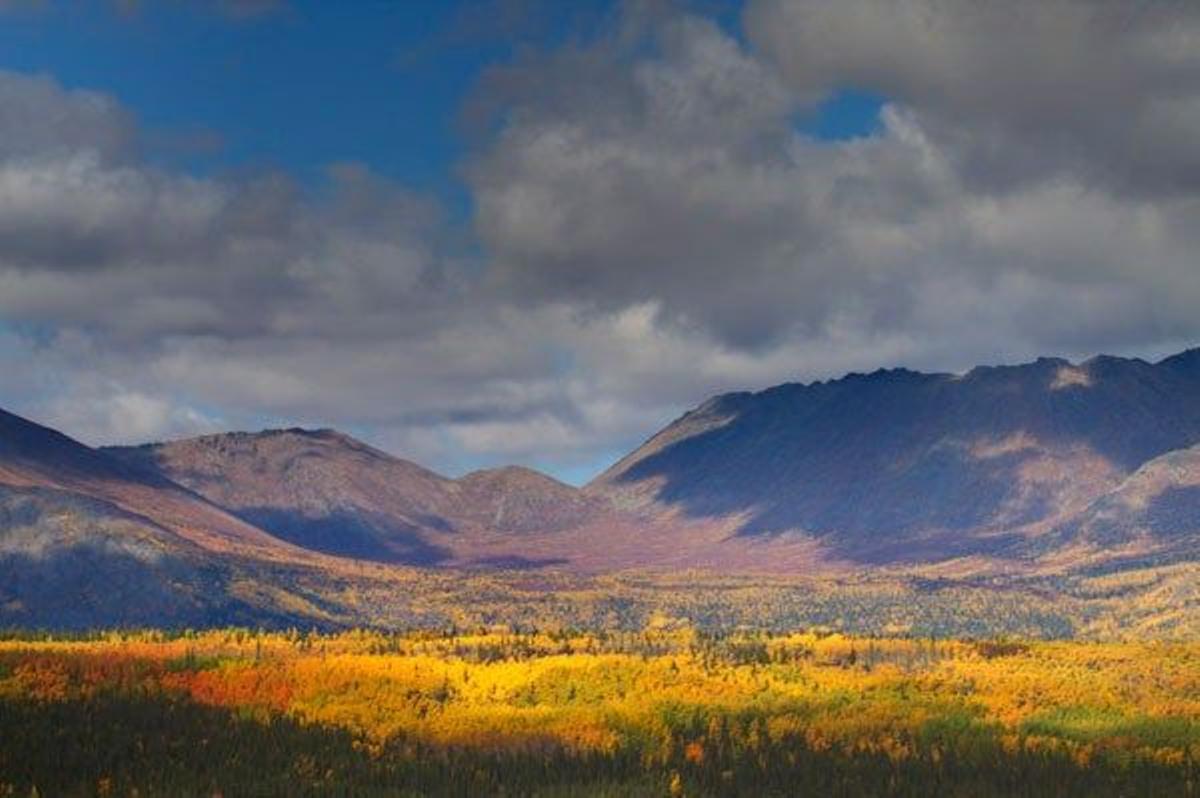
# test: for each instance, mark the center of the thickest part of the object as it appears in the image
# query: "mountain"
(36, 457)
(320, 490)
(901, 466)
(519, 500)
(1043, 471)
(891, 467)
(84, 536)
(328, 492)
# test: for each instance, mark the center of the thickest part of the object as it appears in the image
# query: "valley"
(865, 503)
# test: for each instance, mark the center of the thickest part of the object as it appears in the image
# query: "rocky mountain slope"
(1152, 515)
(329, 493)
(35, 457)
(520, 500)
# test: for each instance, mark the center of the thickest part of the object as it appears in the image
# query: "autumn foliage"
(666, 709)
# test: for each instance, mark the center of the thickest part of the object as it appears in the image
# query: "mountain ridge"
(1048, 467)
(971, 440)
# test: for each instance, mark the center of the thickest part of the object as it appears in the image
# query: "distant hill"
(518, 500)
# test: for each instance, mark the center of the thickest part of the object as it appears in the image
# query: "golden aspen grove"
(665, 710)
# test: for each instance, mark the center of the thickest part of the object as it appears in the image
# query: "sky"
(524, 231)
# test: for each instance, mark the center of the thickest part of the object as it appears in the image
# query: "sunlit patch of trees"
(666, 709)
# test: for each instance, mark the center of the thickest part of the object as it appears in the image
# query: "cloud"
(1011, 182)
(40, 119)
(1101, 92)
(651, 226)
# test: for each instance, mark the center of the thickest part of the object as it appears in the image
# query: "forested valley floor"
(666, 710)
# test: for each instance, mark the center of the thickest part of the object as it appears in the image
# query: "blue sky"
(295, 88)
(306, 84)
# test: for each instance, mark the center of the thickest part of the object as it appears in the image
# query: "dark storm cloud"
(650, 228)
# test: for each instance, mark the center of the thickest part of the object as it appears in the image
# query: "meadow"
(668, 709)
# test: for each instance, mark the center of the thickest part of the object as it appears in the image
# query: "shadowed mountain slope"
(900, 465)
(1048, 470)
(1020, 463)
(327, 492)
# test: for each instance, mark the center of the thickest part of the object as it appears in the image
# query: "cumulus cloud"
(1016, 197)
(1100, 92)
(41, 120)
(651, 226)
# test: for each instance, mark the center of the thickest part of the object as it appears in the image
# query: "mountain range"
(1049, 467)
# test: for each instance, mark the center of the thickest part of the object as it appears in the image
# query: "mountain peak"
(511, 475)
(522, 500)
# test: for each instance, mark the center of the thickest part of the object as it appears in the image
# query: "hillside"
(518, 500)
(1153, 515)
(327, 492)
(318, 489)
(903, 466)
(32, 456)
(87, 539)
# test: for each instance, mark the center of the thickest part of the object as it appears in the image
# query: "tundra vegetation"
(668, 709)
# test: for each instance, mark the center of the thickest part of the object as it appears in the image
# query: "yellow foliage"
(592, 692)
